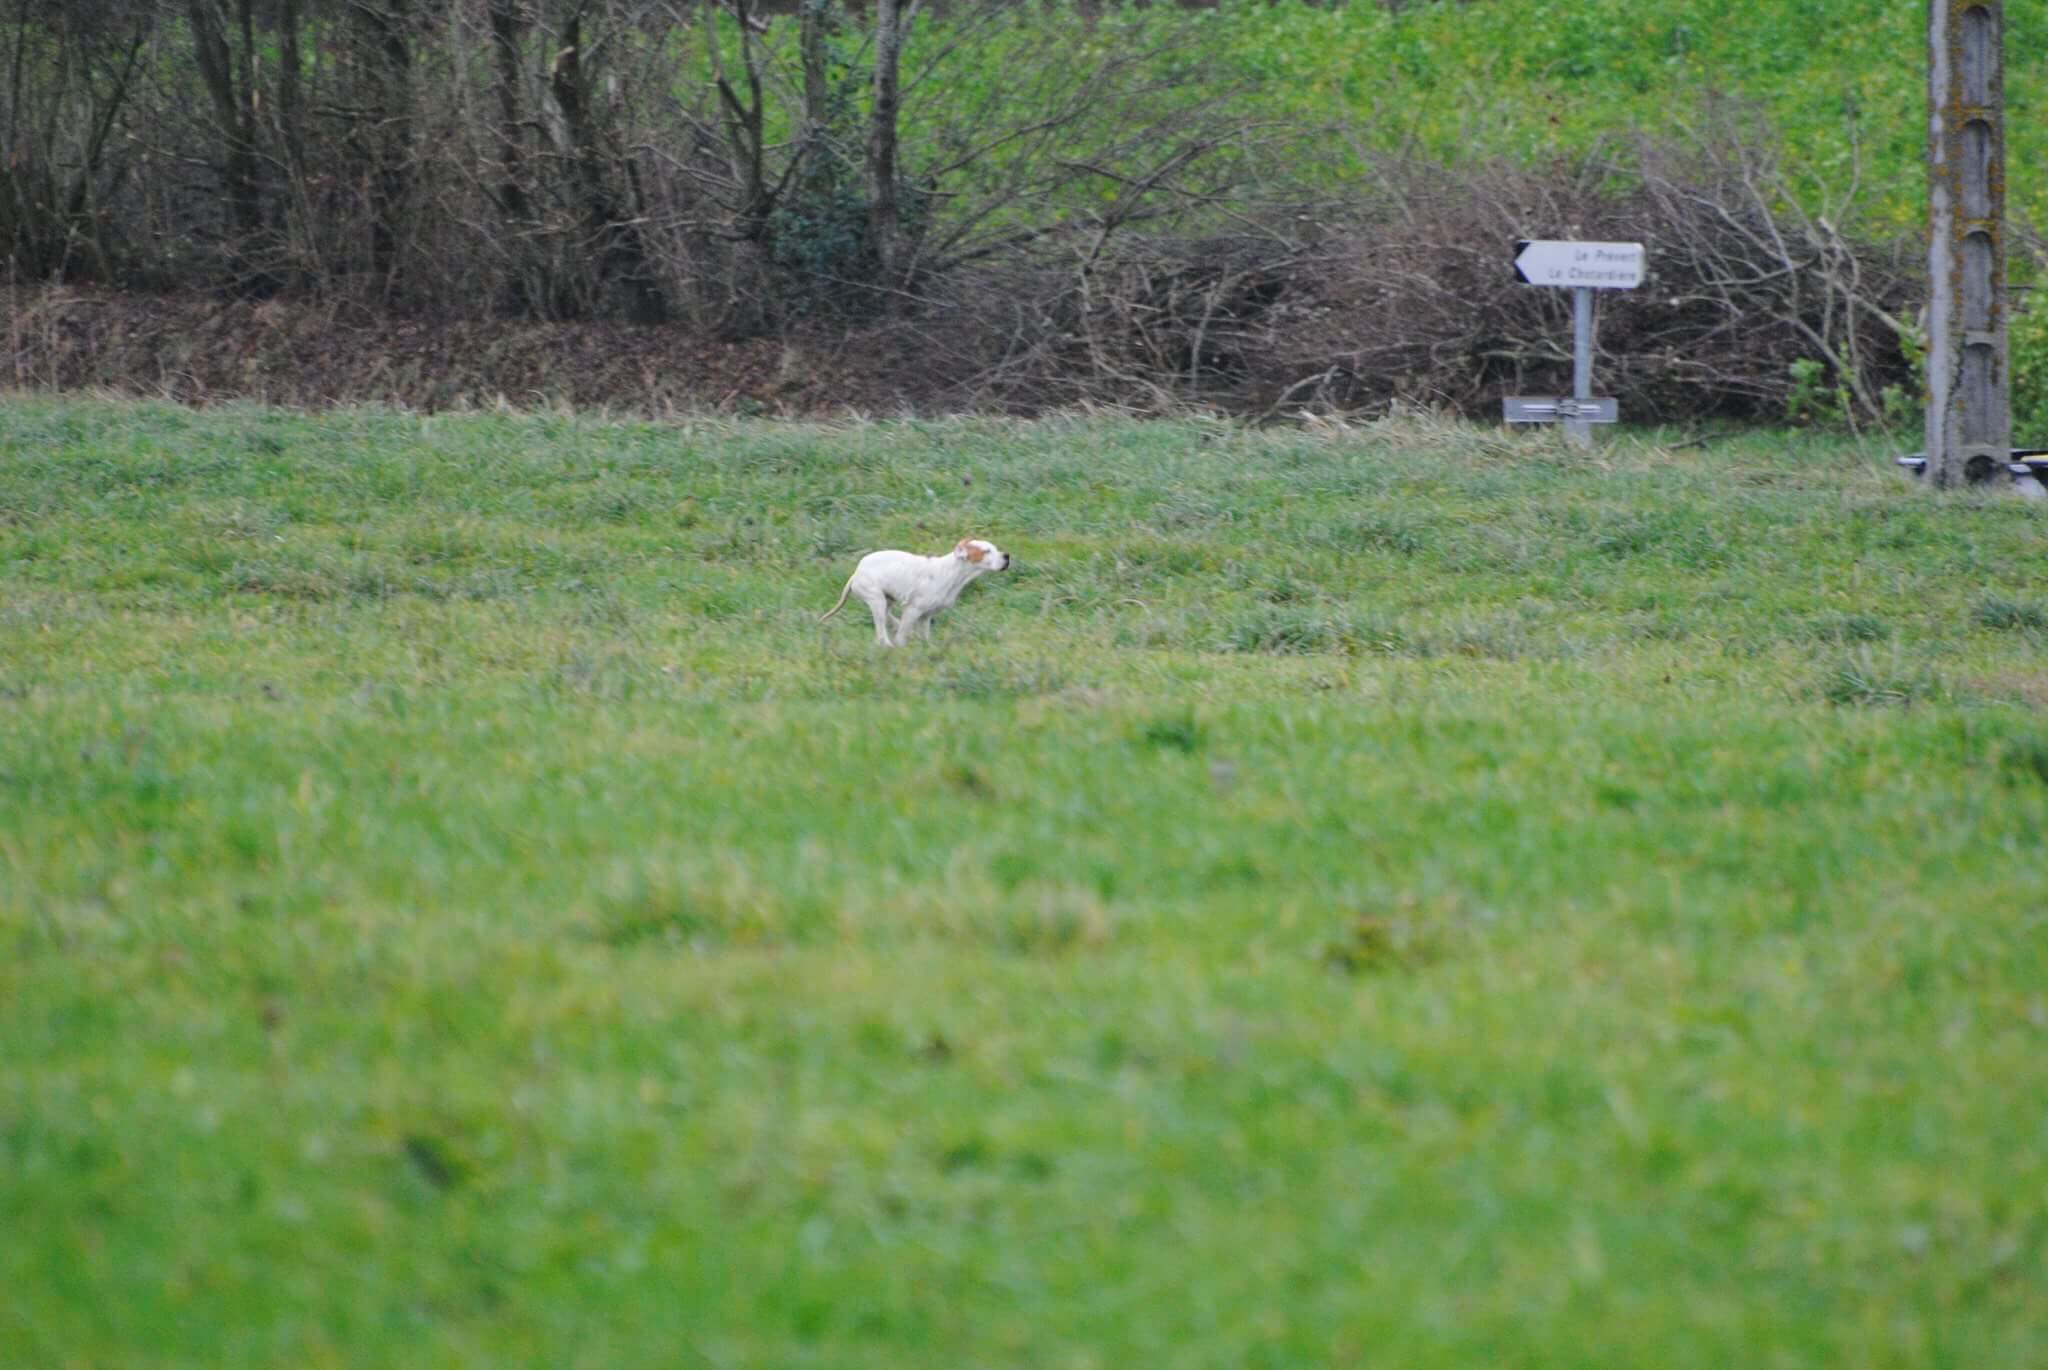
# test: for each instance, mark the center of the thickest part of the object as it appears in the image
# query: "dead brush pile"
(1405, 295)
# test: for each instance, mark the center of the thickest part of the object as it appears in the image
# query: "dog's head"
(981, 554)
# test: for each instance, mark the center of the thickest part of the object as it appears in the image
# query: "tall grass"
(1400, 894)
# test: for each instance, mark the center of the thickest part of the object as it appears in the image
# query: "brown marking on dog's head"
(972, 550)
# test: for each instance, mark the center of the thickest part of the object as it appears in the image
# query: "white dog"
(920, 586)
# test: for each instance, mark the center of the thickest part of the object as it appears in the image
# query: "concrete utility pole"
(1969, 410)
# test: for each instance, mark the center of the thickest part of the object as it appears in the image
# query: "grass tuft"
(2009, 615)
(1288, 631)
(1863, 679)
(1180, 733)
(1375, 944)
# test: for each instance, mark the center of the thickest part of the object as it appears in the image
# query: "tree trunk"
(811, 45)
(229, 85)
(508, 29)
(527, 286)
(622, 256)
(883, 228)
(291, 117)
(388, 150)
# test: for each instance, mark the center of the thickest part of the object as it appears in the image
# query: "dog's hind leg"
(908, 626)
(878, 605)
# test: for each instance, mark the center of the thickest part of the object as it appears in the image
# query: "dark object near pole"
(2026, 466)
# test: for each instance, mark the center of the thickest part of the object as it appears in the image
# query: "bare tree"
(224, 46)
(605, 178)
(382, 132)
(72, 72)
(883, 222)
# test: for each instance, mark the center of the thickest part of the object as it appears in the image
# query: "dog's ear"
(975, 552)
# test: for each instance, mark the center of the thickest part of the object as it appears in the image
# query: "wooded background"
(1011, 206)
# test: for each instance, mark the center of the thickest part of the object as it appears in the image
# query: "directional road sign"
(1598, 266)
(1550, 409)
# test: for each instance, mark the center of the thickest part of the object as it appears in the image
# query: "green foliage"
(2027, 357)
(1817, 395)
(819, 234)
(1403, 894)
(819, 238)
(822, 244)
(1842, 82)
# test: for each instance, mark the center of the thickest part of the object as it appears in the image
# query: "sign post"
(1585, 268)
(1582, 360)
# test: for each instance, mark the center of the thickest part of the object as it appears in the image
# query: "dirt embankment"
(197, 349)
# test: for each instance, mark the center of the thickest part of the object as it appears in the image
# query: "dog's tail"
(844, 590)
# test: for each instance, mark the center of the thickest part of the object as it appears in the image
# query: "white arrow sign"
(1601, 266)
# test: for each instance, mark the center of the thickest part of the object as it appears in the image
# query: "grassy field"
(1405, 895)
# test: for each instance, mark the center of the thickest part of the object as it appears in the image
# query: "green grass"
(1404, 895)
